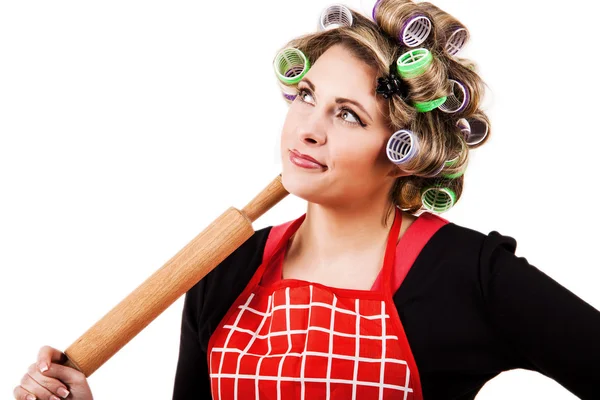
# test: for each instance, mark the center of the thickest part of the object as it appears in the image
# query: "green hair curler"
(290, 65)
(438, 199)
(454, 175)
(450, 163)
(447, 163)
(414, 62)
(430, 105)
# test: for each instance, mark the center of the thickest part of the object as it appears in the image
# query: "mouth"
(305, 161)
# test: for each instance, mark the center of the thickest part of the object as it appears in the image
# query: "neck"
(334, 234)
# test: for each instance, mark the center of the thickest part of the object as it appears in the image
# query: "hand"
(55, 382)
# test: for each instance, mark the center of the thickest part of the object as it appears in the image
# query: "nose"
(312, 129)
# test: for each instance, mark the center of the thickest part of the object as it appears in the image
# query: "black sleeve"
(191, 377)
(554, 329)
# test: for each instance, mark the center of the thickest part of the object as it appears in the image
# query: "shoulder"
(460, 241)
(457, 253)
(453, 269)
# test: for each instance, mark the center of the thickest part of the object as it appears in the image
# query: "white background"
(126, 127)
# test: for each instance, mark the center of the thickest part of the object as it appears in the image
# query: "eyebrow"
(339, 100)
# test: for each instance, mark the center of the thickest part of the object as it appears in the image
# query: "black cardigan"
(469, 306)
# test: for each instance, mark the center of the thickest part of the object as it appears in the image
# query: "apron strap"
(409, 247)
(277, 234)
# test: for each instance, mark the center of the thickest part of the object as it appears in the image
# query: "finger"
(47, 355)
(20, 393)
(51, 384)
(33, 387)
(66, 376)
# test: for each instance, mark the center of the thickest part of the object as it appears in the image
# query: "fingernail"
(43, 367)
(54, 398)
(30, 397)
(63, 392)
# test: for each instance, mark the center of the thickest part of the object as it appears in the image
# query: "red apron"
(294, 339)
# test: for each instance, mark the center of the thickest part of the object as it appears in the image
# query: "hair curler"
(456, 174)
(438, 199)
(401, 146)
(458, 98)
(464, 127)
(290, 65)
(335, 16)
(414, 63)
(456, 41)
(288, 92)
(474, 129)
(415, 30)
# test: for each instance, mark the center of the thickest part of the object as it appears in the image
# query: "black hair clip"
(392, 84)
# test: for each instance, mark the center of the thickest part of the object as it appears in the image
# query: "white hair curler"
(335, 16)
(290, 65)
(458, 99)
(415, 30)
(401, 146)
(456, 41)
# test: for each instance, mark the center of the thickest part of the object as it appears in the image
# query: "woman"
(360, 297)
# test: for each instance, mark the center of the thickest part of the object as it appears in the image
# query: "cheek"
(358, 156)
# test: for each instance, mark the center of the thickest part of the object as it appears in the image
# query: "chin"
(301, 186)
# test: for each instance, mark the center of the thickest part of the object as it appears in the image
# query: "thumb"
(47, 355)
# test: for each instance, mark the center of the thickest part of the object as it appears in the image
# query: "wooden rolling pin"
(192, 263)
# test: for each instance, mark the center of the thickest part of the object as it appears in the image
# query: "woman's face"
(335, 120)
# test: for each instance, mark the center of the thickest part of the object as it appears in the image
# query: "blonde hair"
(439, 137)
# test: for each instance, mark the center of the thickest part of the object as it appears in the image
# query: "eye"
(301, 95)
(344, 111)
(347, 111)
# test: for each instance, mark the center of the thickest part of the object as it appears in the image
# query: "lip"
(305, 161)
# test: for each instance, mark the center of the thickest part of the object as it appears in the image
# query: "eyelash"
(303, 91)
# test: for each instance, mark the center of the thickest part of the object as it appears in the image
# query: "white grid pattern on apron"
(254, 335)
